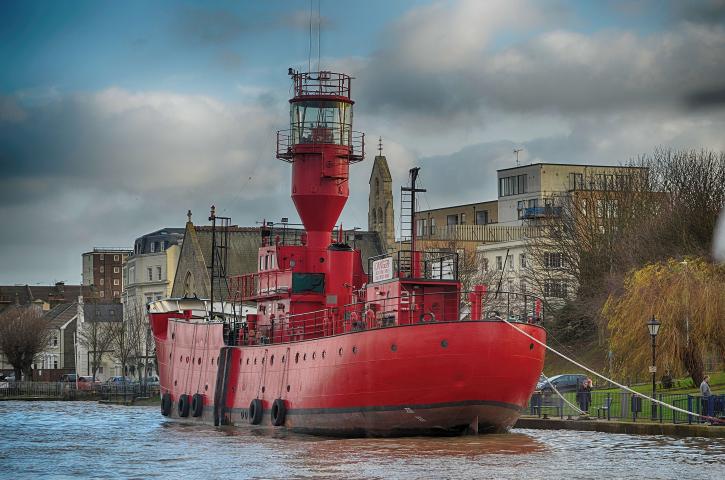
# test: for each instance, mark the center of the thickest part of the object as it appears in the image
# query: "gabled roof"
(26, 294)
(61, 314)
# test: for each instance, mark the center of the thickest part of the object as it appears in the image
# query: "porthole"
(339, 352)
(263, 360)
(181, 359)
(288, 388)
(297, 357)
(323, 354)
(199, 362)
(263, 389)
(271, 360)
(247, 361)
(212, 360)
(531, 346)
(206, 387)
(304, 357)
(314, 355)
(255, 360)
(174, 382)
(282, 358)
(393, 348)
(354, 350)
(444, 343)
(173, 335)
(187, 359)
(169, 355)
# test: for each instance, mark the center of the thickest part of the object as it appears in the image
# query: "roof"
(457, 206)
(26, 294)
(541, 164)
(381, 163)
(61, 314)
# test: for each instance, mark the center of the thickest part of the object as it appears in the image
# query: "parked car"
(568, 382)
(87, 383)
(151, 380)
(119, 380)
(68, 378)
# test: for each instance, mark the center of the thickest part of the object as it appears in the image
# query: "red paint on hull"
(446, 377)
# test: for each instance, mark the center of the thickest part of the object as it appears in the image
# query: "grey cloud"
(555, 71)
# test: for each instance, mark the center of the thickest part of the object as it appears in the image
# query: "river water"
(88, 440)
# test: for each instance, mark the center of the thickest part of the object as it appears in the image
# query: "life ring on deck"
(255, 412)
(427, 317)
(197, 405)
(166, 404)
(184, 404)
(279, 411)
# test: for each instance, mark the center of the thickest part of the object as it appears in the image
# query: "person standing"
(706, 393)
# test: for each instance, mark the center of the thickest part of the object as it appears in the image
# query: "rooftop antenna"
(380, 146)
(516, 152)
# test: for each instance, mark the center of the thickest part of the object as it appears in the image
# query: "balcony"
(540, 212)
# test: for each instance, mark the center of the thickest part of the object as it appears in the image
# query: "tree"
(96, 336)
(137, 319)
(122, 343)
(24, 333)
(687, 298)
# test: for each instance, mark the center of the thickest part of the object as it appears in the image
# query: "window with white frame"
(115, 258)
(101, 281)
(553, 260)
(158, 273)
(510, 261)
(115, 270)
(150, 273)
(522, 260)
(499, 263)
(102, 269)
(555, 288)
(116, 281)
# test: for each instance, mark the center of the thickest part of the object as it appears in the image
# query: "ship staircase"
(218, 267)
(406, 223)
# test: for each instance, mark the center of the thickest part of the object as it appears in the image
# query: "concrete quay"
(643, 427)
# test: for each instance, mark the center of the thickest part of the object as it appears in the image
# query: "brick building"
(103, 270)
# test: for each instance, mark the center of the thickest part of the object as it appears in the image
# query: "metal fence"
(620, 405)
(69, 391)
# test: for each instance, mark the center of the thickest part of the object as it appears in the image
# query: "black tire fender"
(279, 412)
(255, 412)
(184, 404)
(197, 405)
(166, 404)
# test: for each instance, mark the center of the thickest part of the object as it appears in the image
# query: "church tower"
(380, 201)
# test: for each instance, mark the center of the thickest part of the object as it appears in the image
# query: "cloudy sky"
(118, 117)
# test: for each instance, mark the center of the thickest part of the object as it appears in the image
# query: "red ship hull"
(420, 379)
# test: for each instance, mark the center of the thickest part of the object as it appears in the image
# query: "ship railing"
(397, 311)
(418, 265)
(321, 83)
(321, 133)
(258, 285)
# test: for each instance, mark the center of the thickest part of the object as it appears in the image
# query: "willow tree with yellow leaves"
(688, 298)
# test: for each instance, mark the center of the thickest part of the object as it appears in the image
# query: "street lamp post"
(654, 327)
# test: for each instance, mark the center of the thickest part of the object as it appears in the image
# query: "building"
(533, 197)
(381, 214)
(536, 191)
(102, 269)
(148, 273)
(44, 297)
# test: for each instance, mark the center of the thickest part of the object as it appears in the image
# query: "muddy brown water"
(88, 440)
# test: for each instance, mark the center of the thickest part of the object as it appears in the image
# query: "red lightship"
(332, 350)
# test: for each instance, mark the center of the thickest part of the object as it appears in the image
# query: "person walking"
(706, 393)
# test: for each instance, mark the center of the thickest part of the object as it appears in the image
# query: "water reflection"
(87, 440)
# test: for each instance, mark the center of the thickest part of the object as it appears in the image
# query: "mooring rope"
(581, 412)
(623, 387)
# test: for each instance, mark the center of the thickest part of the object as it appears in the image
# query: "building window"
(132, 274)
(432, 226)
(162, 246)
(115, 258)
(600, 208)
(499, 263)
(584, 206)
(522, 286)
(463, 218)
(576, 181)
(420, 227)
(100, 370)
(514, 185)
(451, 219)
(533, 203)
(158, 272)
(101, 293)
(553, 260)
(102, 269)
(116, 294)
(510, 261)
(115, 270)
(101, 281)
(149, 298)
(150, 274)
(522, 260)
(555, 288)
(520, 209)
(482, 217)
(116, 281)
